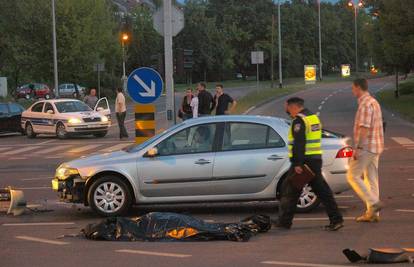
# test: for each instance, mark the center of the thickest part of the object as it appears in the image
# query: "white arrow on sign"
(150, 92)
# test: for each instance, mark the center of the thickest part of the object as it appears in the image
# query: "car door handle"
(202, 162)
(274, 157)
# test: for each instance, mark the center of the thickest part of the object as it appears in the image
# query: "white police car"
(65, 117)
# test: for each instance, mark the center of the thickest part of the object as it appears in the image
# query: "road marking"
(41, 240)
(52, 149)
(83, 148)
(5, 148)
(36, 179)
(17, 151)
(17, 158)
(174, 255)
(45, 142)
(320, 219)
(410, 179)
(323, 102)
(287, 263)
(403, 140)
(38, 224)
(34, 188)
(320, 107)
(54, 157)
(115, 147)
(344, 196)
(401, 210)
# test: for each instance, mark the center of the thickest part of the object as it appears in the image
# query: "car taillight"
(345, 152)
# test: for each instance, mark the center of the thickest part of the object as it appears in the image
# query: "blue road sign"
(144, 85)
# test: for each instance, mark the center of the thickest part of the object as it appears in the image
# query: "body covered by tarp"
(165, 226)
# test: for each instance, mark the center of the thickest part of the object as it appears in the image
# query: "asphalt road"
(33, 239)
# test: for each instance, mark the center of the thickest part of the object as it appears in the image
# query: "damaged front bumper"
(70, 189)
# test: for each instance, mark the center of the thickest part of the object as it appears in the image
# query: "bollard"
(144, 122)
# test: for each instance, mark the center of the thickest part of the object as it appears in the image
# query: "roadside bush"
(407, 88)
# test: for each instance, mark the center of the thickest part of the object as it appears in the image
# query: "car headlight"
(63, 173)
(74, 121)
(104, 119)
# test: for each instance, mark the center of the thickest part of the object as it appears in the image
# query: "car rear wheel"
(100, 134)
(61, 131)
(109, 196)
(307, 201)
(29, 131)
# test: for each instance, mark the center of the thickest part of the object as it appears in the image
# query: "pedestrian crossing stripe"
(115, 147)
(404, 141)
(21, 150)
(82, 148)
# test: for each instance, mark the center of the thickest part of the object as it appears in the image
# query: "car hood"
(98, 159)
(83, 114)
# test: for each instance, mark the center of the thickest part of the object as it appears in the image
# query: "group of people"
(202, 103)
(305, 151)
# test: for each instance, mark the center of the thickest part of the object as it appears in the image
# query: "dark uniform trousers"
(290, 195)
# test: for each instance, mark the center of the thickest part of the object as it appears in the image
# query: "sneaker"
(369, 218)
(332, 227)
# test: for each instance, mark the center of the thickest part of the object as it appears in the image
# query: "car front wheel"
(109, 196)
(61, 131)
(29, 131)
(308, 200)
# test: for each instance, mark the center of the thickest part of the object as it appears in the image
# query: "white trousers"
(363, 177)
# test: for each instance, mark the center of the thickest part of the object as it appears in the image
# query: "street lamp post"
(125, 38)
(320, 41)
(280, 44)
(55, 66)
(356, 7)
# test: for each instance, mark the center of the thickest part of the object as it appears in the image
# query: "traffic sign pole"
(169, 83)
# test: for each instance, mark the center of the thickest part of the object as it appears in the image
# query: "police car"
(65, 117)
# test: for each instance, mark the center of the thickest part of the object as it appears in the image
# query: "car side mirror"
(152, 153)
(100, 109)
(49, 111)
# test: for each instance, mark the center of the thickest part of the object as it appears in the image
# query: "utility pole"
(356, 39)
(124, 79)
(280, 45)
(272, 52)
(320, 41)
(169, 83)
(55, 66)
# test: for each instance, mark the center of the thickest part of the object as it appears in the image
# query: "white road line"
(34, 188)
(320, 107)
(344, 196)
(83, 148)
(319, 219)
(41, 240)
(17, 158)
(52, 149)
(17, 151)
(151, 253)
(45, 142)
(287, 263)
(115, 147)
(410, 179)
(38, 224)
(323, 102)
(5, 148)
(401, 210)
(403, 140)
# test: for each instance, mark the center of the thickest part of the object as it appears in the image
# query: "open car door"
(102, 106)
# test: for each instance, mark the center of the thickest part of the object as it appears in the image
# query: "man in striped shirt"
(368, 146)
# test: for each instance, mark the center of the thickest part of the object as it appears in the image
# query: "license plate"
(55, 185)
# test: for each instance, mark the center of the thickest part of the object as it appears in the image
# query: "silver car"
(221, 158)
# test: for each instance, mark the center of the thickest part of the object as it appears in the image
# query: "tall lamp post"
(356, 7)
(280, 44)
(320, 41)
(124, 39)
(55, 66)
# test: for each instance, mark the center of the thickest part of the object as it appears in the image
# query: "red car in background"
(33, 90)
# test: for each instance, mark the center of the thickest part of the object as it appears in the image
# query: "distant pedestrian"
(368, 146)
(205, 100)
(185, 109)
(120, 110)
(91, 99)
(194, 104)
(305, 150)
(222, 101)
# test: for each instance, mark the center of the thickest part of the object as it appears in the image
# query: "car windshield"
(71, 106)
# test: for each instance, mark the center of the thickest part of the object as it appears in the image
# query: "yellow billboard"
(345, 70)
(310, 74)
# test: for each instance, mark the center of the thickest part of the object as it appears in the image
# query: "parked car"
(71, 90)
(33, 90)
(65, 117)
(221, 158)
(10, 115)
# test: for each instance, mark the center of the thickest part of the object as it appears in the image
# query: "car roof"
(62, 100)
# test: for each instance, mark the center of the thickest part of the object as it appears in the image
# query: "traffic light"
(188, 59)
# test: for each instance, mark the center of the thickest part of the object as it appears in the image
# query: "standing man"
(205, 100)
(305, 136)
(221, 102)
(120, 110)
(368, 146)
(91, 99)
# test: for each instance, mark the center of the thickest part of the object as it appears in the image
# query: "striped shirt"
(369, 116)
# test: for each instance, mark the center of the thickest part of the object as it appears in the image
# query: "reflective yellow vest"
(313, 135)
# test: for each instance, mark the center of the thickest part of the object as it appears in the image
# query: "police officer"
(305, 136)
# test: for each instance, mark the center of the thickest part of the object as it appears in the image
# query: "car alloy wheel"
(109, 197)
(307, 200)
(61, 131)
